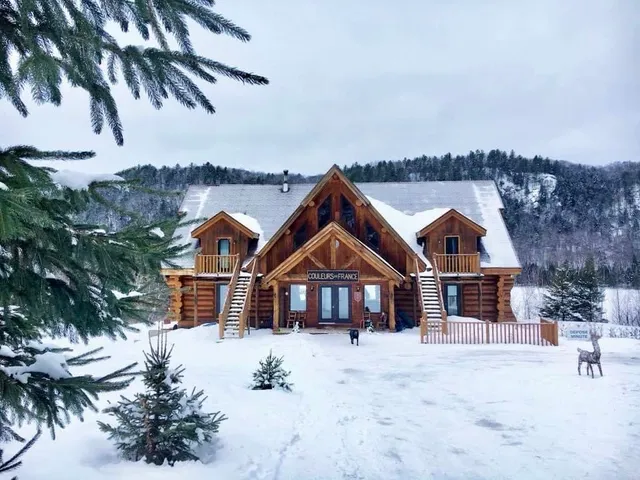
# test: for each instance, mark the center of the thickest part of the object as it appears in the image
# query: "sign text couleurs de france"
(333, 275)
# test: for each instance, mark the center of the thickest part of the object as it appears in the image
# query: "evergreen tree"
(164, 423)
(62, 278)
(54, 40)
(589, 295)
(270, 374)
(559, 299)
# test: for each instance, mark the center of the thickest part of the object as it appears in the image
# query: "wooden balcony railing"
(216, 263)
(465, 263)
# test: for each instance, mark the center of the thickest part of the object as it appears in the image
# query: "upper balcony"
(216, 264)
(458, 264)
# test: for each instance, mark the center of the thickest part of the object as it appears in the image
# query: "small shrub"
(270, 374)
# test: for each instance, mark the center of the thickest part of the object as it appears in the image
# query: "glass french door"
(335, 304)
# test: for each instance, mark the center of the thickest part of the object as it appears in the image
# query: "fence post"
(486, 334)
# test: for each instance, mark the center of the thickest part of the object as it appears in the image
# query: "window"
(451, 245)
(347, 213)
(372, 298)
(478, 244)
(300, 237)
(298, 298)
(324, 212)
(372, 236)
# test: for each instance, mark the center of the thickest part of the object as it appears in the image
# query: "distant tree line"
(556, 211)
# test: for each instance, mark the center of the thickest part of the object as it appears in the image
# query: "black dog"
(354, 333)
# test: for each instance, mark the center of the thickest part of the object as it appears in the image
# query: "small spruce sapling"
(164, 423)
(296, 328)
(271, 375)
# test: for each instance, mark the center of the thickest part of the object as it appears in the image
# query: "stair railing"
(443, 312)
(246, 304)
(222, 319)
(423, 313)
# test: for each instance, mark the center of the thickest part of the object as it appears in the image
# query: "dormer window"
(347, 214)
(372, 237)
(324, 212)
(300, 237)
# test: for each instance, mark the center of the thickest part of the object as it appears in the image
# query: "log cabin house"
(335, 253)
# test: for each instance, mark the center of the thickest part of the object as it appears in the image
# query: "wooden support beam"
(350, 262)
(318, 263)
(392, 307)
(276, 306)
(333, 251)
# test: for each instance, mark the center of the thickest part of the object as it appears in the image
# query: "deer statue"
(592, 358)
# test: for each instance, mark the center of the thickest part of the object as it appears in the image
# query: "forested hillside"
(556, 211)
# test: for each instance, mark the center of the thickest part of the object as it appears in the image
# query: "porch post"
(480, 288)
(276, 306)
(392, 308)
(195, 301)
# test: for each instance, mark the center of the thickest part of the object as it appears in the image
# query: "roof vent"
(285, 181)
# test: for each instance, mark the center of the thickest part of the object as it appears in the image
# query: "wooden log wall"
(406, 301)
(496, 298)
(206, 302)
(174, 283)
(262, 310)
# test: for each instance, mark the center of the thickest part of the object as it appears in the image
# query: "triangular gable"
(335, 170)
(479, 229)
(332, 230)
(196, 233)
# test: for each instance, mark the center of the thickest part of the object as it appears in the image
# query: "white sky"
(355, 80)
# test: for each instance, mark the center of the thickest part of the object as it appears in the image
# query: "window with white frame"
(372, 298)
(298, 298)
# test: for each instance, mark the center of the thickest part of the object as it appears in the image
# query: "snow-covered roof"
(407, 207)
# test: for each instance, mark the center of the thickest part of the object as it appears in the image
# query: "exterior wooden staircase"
(434, 316)
(233, 319)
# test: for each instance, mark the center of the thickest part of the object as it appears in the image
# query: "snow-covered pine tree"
(560, 297)
(164, 423)
(270, 374)
(61, 278)
(589, 295)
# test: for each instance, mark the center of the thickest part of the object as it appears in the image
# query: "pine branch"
(67, 39)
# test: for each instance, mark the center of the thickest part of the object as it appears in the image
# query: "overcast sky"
(356, 80)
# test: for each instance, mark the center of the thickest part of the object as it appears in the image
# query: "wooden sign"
(333, 275)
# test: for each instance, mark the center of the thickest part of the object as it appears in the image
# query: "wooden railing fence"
(463, 263)
(216, 263)
(544, 333)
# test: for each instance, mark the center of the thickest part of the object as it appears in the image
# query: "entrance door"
(224, 250)
(335, 304)
(222, 289)
(452, 299)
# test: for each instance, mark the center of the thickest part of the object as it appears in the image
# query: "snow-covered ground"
(388, 409)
